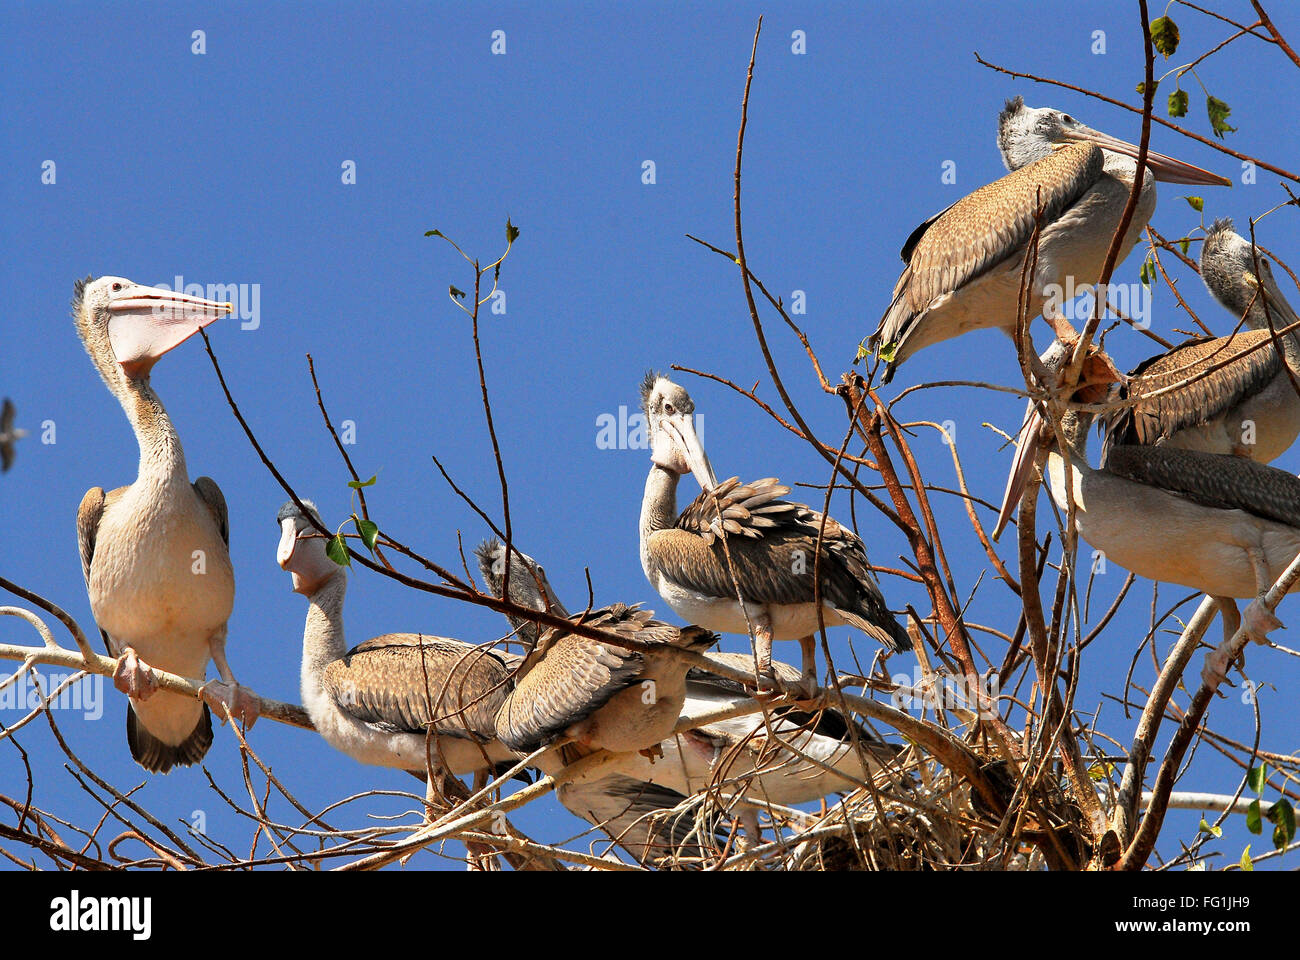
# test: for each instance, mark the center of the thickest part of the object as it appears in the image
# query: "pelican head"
(1026, 134)
(528, 584)
(130, 325)
(669, 412)
(302, 549)
(1228, 269)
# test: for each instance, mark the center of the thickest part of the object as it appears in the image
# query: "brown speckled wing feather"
(771, 544)
(567, 677)
(1159, 418)
(983, 229)
(403, 681)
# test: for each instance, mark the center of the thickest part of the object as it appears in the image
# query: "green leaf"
(455, 291)
(1182, 244)
(433, 233)
(1178, 103)
(888, 351)
(1142, 89)
(1218, 112)
(512, 232)
(369, 530)
(1196, 203)
(1212, 831)
(338, 551)
(1246, 863)
(1253, 822)
(358, 484)
(1148, 274)
(1283, 815)
(1164, 36)
(1256, 777)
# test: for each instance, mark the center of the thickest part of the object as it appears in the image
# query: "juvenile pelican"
(375, 701)
(742, 539)
(155, 554)
(964, 264)
(599, 694)
(1246, 406)
(1224, 525)
(788, 757)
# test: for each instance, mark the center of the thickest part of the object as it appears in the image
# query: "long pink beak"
(1164, 168)
(146, 322)
(1022, 465)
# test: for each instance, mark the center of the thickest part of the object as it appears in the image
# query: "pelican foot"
(244, 705)
(134, 677)
(1215, 671)
(1259, 621)
(805, 691)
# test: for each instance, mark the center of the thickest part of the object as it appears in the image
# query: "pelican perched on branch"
(599, 694)
(376, 701)
(1227, 526)
(1242, 397)
(155, 554)
(786, 757)
(742, 541)
(964, 265)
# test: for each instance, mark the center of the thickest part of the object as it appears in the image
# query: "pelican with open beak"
(156, 554)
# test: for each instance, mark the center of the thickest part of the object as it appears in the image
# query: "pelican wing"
(402, 682)
(642, 818)
(1246, 364)
(207, 490)
(1213, 480)
(771, 547)
(567, 678)
(982, 230)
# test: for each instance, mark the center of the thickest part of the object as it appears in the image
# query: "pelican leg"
(481, 858)
(763, 653)
(133, 676)
(244, 705)
(806, 688)
(1259, 619)
(751, 833)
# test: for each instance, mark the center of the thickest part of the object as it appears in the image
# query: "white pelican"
(155, 554)
(1249, 406)
(743, 539)
(964, 264)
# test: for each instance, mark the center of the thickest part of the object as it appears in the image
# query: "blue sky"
(227, 167)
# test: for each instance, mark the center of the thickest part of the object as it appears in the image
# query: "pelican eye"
(116, 287)
(1067, 118)
(668, 407)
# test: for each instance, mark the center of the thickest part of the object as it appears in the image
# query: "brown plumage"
(404, 681)
(771, 543)
(597, 692)
(979, 232)
(1247, 363)
(989, 226)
